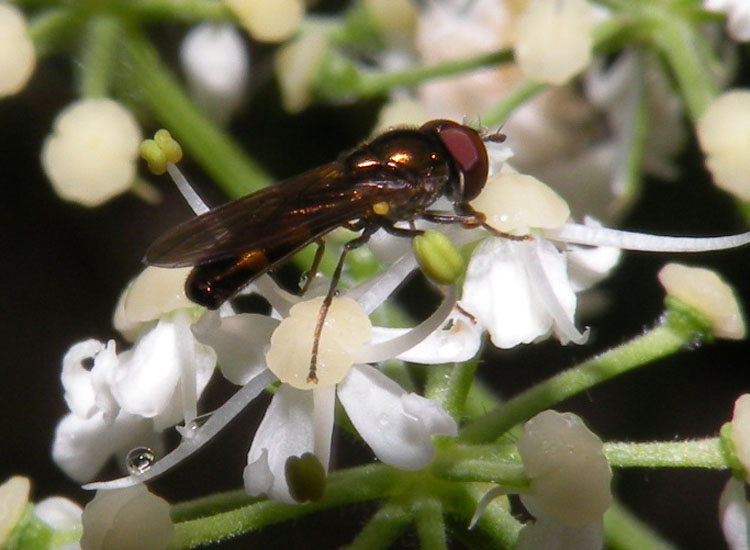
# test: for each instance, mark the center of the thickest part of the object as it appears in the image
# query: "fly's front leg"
(478, 219)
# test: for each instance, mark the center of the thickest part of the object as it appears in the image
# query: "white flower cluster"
(127, 399)
(520, 290)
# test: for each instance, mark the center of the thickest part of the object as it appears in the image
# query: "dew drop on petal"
(191, 428)
(140, 460)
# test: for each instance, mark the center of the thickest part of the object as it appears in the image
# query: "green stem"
(98, 56)
(211, 504)
(346, 487)
(627, 178)
(449, 385)
(698, 453)
(659, 342)
(383, 528)
(175, 10)
(53, 29)
(372, 84)
(428, 519)
(624, 531)
(496, 522)
(479, 400)
(518, 96)
(213, 149)
(500, 473)
(685, 51)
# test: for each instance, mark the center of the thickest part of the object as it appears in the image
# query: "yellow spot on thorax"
(381, 208)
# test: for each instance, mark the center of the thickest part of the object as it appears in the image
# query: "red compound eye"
(468, 152)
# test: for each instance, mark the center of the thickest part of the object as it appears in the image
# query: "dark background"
(64, 267)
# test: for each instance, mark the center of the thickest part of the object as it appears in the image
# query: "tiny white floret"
(216, 63)
(570, 476)
(553, 41)
(738, 16)
(296, 66)
(155, 292)
(734, 514)
(14, 494)
(740, 433)
(516, 203)
(268, 21)
(123, 519)
(91, 154)
(60, 513)
(705, 291)
(17, 55)
(724, 135)
(345, 330)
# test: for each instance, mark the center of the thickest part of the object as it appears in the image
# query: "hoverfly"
(394, 178)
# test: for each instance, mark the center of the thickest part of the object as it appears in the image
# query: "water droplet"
(191, 428)
(140, 460)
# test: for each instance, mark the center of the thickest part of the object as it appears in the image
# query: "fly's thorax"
(406, 154)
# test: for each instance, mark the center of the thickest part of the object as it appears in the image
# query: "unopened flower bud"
(703, 290)
(570, 476)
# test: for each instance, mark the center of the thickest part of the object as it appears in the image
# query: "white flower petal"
(383, 349)
(588, 266)
(516, 203)
(324, 409)
(398, 427)
(287, 430)
(155, 292)
(457, 340)
(203, 434)
(498, 294)
(76, 380)
(151, 372)
(514, 298)
(240, 342)
(126, 518)
(343, 333)
(546, 268)
(376, 290)
(734, 515)
(82, 446)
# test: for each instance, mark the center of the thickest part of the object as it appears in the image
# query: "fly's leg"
(312, 376)
(315, 265)
(470, 218)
